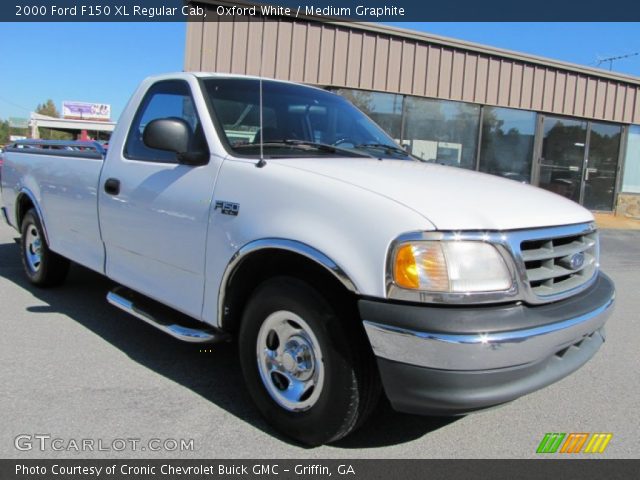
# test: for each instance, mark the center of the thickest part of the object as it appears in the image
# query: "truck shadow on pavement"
(214, 375)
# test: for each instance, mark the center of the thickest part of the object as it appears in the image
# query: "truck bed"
(62, 178)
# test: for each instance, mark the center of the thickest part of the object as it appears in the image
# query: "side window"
(171, 98)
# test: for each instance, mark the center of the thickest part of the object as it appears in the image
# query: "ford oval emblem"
(576, 261)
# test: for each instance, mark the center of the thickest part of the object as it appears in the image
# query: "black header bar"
(354, 10)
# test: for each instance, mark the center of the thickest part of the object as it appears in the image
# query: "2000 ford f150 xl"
(280, 215)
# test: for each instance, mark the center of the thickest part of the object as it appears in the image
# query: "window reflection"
(602, 165)
(383, 108)
(563, 149)
(442, 131)
(507, 143)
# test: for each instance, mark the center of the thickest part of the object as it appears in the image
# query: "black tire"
(350, 385)
(43, 267)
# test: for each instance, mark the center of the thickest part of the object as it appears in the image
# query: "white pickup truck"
(279, 215)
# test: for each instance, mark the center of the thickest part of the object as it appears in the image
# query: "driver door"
(154, 211)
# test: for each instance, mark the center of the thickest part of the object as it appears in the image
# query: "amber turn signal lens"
(405, 270)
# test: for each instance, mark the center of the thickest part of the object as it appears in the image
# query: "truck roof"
(199, 74)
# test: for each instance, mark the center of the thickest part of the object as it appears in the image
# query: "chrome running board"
(141, 307)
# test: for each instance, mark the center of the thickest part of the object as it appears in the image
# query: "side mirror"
(169, 134)
(173, 135)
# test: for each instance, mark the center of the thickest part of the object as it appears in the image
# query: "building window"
(383, 108)
(563, 149)
(507, 143)
(631, 178)
(442, 131)
(602, 166)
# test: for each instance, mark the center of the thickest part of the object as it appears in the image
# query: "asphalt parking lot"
(75, 368)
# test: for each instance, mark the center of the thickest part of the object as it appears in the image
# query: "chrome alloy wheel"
(33, 248)
(290, 361)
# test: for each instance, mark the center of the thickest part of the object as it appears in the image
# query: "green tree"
(4, 132)
(360, 98)
(49, 108)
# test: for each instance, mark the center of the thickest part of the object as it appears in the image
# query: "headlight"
(450, 266)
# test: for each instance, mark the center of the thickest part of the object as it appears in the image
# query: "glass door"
(562, 156)
(579, 160)
(602, 166)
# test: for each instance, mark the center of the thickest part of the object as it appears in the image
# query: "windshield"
(296, 121)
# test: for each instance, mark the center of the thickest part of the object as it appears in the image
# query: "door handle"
(112, 186)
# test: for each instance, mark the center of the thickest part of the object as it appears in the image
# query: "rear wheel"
(306, 367)
(42, 266)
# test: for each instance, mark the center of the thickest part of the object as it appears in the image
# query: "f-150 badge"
(227, 208)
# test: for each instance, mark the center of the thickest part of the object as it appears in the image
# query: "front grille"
(553, 264)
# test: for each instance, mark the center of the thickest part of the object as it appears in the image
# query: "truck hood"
(448, 197)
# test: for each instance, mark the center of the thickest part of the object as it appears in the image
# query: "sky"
(104, 62)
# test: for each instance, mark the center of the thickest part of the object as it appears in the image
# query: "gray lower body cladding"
(432, 362)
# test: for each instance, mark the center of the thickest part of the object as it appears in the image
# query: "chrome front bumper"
(514, 349)
(483, 351)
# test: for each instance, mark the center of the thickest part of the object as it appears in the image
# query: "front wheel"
(42, 266)
(308, 370)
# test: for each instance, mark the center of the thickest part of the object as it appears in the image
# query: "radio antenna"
(262, 161)
(612, 59)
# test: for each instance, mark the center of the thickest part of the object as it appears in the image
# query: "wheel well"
(23, 205)
(267, 263)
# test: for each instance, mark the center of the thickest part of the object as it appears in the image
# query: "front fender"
(347, 227)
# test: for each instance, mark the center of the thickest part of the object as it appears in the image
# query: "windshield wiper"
(385, 146)
(291, 142)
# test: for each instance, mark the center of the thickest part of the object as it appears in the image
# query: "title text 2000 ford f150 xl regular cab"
(280, 215)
